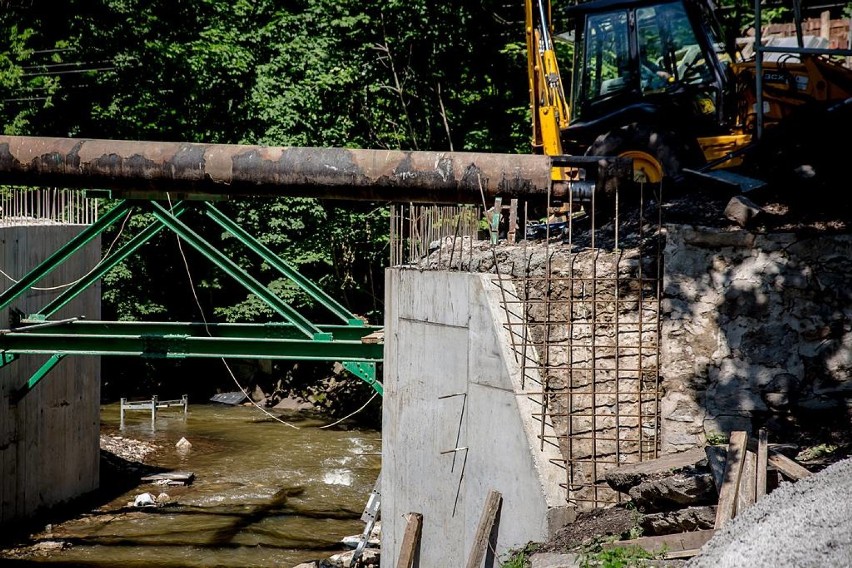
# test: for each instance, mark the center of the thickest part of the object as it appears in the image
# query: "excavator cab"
(641, 50)
(652, 67)
(657, 82)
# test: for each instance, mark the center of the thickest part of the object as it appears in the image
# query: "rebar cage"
(583, 312)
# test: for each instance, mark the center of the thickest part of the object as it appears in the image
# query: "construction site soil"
(809, 516)
(792, 207)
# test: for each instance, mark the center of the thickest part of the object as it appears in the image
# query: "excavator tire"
(657, 155)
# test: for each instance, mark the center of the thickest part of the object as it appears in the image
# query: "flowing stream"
(264, 493)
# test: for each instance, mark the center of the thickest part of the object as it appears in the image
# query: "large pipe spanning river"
(154, 169)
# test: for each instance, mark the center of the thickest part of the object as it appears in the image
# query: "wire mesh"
(588, 345)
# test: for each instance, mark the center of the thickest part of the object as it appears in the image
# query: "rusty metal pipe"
(182, 169)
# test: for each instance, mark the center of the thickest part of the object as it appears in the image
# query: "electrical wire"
(335, 423)
(207, 329)
(100, 262)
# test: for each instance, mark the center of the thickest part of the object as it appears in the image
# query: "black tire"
(664, 148)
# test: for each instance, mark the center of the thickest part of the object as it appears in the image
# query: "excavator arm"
(548, 106)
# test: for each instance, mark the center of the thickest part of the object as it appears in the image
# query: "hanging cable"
(207, 329)
(335, 423)
(101, 261)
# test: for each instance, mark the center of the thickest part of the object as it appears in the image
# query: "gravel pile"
(803, 524)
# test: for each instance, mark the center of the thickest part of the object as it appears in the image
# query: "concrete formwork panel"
(456, 422)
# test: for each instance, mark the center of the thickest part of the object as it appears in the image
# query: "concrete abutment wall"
(455, 424)
(49, 440)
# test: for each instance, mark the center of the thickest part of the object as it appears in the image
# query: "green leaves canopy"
(411, 75)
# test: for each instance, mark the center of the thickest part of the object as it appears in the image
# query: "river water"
(265, 493)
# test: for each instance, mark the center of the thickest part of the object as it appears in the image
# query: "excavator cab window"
(641, 50)
(669, 50)
(603, 58)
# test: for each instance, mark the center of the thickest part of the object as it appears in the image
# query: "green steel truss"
(296, 338)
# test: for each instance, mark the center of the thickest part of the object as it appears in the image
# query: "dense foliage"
(408, 75)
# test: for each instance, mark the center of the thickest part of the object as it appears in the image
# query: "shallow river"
(264, 493)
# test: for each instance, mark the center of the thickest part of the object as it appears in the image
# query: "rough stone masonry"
(755, 330)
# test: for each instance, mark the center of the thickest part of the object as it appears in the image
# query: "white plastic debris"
(145, 500)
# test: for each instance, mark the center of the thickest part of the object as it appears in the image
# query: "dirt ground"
(621, 521)
(793, 206)
(598, 524)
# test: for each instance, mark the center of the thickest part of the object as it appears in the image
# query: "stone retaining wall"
(756, 332)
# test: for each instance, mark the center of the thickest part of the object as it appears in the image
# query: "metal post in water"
(153, 412)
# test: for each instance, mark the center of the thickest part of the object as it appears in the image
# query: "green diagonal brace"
(107, 263)
(63, 253)
(17, 395)
(282, 266)
(366, 372)
(231, 268)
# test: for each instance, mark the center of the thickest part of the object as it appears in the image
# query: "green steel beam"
(367, 373)
(282, 266)
(63, 253)
(152, 335)
(231, 268)
(184, 340)
(277, 330)
(182, 346)
(48, 365)
(107, 264)
(7, 358)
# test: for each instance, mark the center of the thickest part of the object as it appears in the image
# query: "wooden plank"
(483, 530)
(682, 554)
(746, 490)
(375, 337)
(762, 463)
(674, 544)
(726, 509)
(410, 540)
(174, 477)
(790, 468)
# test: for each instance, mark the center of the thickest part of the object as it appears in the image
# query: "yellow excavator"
(657, 82)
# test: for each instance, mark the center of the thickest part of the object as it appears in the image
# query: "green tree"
(410, 75)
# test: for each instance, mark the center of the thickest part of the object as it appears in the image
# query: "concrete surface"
(456, 424)
(50, 440)
(803, 524)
